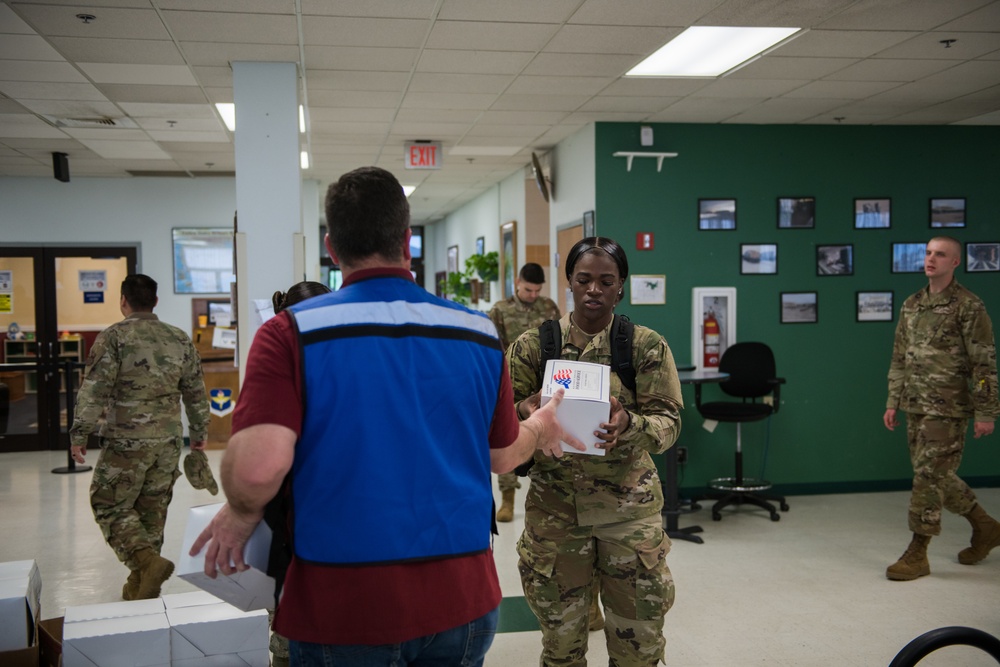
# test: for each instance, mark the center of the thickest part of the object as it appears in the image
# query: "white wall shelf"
(628, 155)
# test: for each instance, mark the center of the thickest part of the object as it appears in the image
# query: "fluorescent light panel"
(228, 112)
(304, 159)
(709, 51)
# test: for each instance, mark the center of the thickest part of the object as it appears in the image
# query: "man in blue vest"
(390, 407)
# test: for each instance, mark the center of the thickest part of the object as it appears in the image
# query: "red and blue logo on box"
(563, 376)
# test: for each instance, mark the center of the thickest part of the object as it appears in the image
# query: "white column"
(268, 185)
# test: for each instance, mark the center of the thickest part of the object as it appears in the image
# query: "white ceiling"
(493, 80)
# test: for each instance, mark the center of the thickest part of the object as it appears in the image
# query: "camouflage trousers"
(936, 447)
(131, 489)
(508, 481)
(559, 563)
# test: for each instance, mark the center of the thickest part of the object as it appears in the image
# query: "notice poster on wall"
(93, 281)
(6, 292)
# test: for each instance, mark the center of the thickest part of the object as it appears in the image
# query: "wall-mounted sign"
(93, 281)
(644, 241)
(422, 155)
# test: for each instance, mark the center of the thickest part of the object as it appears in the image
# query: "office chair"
(751, 377)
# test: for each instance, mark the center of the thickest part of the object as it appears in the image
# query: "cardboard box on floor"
(117, 634)
(586, 404)
(50, 642)
(206, 630)
(247, 590)
(20, 594)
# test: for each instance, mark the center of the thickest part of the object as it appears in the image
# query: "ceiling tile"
(843, 43)
(155, 94)
(325, 79)
(117, 150)
(558, 85)
(133, 51)
(929, 45)
(12, 24)
(219, 136)
(27, 47)
(360, 58)
(889, 69)
(902, 14)
(492, 36)
(150, 110)
(633, 40)
(566, 64)
(160, 75)
(110, 22)
(472, 62)
(448, 100)
(170, 124)
(782, 67)
(237, 28)
(459, 83)
(643, 12)
(620, 103)
(369, 32)
(529, 11)
(213, 54)
(51, 91)
(846, 90)
(32, 70)
(73, 108)
(411, 9)
(369, 99)
(565, 103)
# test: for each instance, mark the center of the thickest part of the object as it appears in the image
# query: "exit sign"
(422, 155)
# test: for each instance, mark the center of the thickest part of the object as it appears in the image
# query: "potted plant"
(487, 266)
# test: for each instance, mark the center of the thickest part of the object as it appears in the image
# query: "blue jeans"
(463, 646)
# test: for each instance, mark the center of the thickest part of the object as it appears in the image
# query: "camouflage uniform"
(512, 317)
(135, 374)
(943, 372)
(587, 514)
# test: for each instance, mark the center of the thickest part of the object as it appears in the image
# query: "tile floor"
(806, 591)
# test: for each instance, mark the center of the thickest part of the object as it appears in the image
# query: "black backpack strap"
(550, 338)
(621, 350)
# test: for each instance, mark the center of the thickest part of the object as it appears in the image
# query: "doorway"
(53, 303)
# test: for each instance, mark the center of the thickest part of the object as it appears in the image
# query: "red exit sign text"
(422, 155)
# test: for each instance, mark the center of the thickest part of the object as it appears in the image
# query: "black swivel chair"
(751, 377)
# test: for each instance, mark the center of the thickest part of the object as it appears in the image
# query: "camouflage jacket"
(135, 374)
(623, 484)
(944, 359)
(512, 317)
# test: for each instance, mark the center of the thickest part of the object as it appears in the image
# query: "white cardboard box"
(118, 634)
(250, 589)
(20, 592)
(586, 404)
(204, 630)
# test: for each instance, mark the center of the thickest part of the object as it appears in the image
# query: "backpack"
(550, 337)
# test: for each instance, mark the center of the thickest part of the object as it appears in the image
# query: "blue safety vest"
(393, 463)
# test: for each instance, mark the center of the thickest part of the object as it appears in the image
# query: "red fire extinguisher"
(711, 340)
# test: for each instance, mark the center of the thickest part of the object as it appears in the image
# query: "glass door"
(74, 295)
(22, 426)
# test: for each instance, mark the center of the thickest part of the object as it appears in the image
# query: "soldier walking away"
(525, 309)
(136, 374)
(943, 372)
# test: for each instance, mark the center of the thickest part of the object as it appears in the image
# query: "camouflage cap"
(198, 472)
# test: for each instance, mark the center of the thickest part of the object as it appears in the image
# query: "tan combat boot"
(913, 563)
(131, 587)
(506, 511)
(154, 569)
(985, 536)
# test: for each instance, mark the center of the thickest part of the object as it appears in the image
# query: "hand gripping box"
(20, 592)
(586, 404)
(117, 634)
(250, 589)
(204, 630)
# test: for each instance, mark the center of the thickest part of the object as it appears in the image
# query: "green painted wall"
(828, 435)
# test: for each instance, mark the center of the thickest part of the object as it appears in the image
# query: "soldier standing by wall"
(135, 374)
(524, 309)
(943, 372)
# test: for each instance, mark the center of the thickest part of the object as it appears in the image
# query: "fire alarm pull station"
(644, 241)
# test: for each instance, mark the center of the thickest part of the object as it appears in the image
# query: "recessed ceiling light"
(709, 51)
(304, 159)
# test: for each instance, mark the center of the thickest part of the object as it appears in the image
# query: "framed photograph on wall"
(908, 257)
(440, 280)
(872, 213)
(874, 306)
(717, 214)
(947, 212)
(203, 260)
(799, 307)
(716, 307)
(796, 212)
(481, 245)
(982, 257)
(835, 260)
(758, 258)
(589, 226)
(453, 259)
(508, 258)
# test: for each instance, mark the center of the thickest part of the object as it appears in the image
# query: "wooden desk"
(222, 382)
(671, 501)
